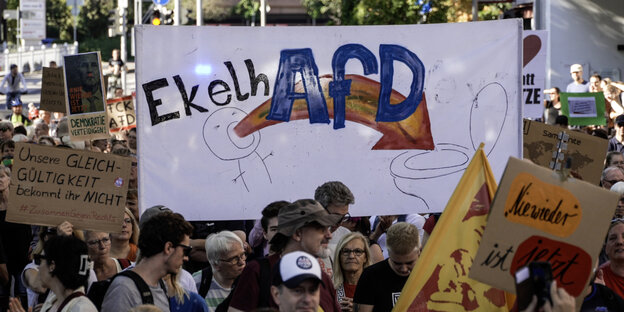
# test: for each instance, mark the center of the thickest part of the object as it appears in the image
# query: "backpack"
(265, 289)
(98, 289)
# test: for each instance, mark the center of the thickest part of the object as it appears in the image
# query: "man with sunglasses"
(163, 245)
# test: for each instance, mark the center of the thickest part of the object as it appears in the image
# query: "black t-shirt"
(602, 299)
(16, 241)
(379, 286)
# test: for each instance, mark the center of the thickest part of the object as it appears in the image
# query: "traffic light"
(167, 17)
(115, 22)
(156, 17)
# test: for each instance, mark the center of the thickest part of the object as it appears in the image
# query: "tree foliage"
(247, 8)
(59, 23)
(389, 12)
(93, 18)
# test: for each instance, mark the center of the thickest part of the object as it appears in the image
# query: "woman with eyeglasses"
(64, 269)
(104, 266)
(124, 244)
(354, 255)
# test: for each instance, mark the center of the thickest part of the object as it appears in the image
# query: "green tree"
(247, 9)
(59, 22)
(93, 18)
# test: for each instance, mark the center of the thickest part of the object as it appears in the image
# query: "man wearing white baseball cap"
(296, 281)
(578, 85)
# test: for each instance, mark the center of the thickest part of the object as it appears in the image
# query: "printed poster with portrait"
(85, 97)
(536, 216)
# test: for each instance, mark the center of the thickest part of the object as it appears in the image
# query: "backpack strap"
(206, 280)
(123, 263)
(144, 290)
(265, 282)
(69, 298)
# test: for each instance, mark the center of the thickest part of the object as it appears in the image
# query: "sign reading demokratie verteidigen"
(51, 185)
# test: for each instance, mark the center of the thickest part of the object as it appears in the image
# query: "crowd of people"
(305, 255)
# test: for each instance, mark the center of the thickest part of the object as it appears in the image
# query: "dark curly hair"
(160, 229)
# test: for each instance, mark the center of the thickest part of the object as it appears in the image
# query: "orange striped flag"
(439, 281)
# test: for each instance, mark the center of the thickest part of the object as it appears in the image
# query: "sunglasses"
(4, 129)
(186, 249)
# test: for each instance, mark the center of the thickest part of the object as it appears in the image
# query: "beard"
(324, 252)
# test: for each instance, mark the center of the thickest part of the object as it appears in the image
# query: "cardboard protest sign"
(85, 97)
(52, 90)
(534, 72)
(584, 109)
(120, 114)
(536, 216)
(587, 152)
(275, 112)
(50, 185)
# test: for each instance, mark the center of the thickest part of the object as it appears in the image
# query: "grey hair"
(6, 123)
(607, 171)
(218, 244)
(334, 192)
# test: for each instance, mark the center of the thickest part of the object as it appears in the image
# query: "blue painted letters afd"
(302, 61)
(293, 62)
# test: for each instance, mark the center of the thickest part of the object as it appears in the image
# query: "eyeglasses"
(38, 258)
(186, 249)
(127, 221)
(357, 252)
(236, 259)
(4, 129)
(104, 241)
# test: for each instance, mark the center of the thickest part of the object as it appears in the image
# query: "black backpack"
(98, 289)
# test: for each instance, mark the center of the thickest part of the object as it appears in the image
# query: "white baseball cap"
(296, 267)
(576, 68)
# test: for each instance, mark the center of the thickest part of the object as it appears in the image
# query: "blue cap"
(16, 102)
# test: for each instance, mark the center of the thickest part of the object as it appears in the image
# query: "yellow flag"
(439, 281)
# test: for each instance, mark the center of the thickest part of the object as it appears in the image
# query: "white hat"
(295, 267)
(576, 68)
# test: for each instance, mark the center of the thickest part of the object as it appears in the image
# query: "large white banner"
(233, 118)
(534, 72)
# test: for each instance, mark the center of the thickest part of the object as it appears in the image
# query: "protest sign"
(120, 114)
(51, 185)
(534, 72)
(52, 90)
(85, 97)
(536, 216)
(275, 112)
(587, 152)
(584, 109)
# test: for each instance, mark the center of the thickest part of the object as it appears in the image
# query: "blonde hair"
(402, 238)
(135, 227)
(338, 277)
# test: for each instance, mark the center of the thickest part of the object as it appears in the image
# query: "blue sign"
(160, 2)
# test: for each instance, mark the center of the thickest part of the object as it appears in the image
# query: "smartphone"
(534, 279)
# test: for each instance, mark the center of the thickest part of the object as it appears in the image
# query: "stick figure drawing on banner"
(251, 168)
